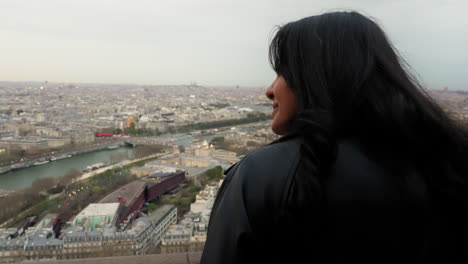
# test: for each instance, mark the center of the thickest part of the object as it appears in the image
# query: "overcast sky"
(212, 42)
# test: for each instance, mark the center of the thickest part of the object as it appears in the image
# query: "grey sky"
(212, 42)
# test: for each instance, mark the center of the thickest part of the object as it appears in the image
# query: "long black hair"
(351, 83)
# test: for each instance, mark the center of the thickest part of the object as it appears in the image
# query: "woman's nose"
(269, 93)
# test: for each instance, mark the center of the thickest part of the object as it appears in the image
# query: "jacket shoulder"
(264, 176)
(274, 155)
(271, 163)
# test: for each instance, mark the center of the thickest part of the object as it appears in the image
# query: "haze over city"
(206, 41)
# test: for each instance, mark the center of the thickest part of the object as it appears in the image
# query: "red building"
(161, 185)
(133, 195)
(103, 135)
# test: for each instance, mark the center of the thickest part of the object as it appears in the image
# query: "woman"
(369, 168)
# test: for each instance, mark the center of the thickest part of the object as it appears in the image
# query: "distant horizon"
(182, 84)
(136, 84)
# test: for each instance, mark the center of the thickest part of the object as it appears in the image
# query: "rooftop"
(160, 212)
(177, 258)
(157, 174)
(99, 209)
(128, 193)
(47, 221)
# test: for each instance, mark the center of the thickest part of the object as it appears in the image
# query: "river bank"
(60, 156)
(60, 196)
(4, 193)
(120, 165)
(23, 178)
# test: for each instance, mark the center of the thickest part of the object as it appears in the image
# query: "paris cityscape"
(119, 119)
(93, 170)
(101, 170)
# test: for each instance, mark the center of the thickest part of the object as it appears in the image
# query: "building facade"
(81, 241)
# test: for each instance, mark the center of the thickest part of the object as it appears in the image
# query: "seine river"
(23, 178)
(14, 180)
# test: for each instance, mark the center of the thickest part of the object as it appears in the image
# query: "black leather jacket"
(265, 211)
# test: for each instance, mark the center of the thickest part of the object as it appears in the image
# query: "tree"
(131, 129)
(70, 176)
(44, 184)
(171, 130)
(215, 173)
(217, 140)
(56, 189)
(181, 149)
(44, 205)
(151, 207)
(97, 189)
(191, 187)
(146, 150)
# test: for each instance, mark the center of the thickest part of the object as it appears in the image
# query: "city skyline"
(209, 42)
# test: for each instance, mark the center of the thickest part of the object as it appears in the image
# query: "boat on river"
(113, 147)
(94, 166)
(19, 166)
(63, 157)
(40, 162)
